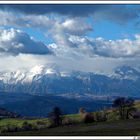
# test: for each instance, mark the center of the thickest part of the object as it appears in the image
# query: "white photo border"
(69, 137)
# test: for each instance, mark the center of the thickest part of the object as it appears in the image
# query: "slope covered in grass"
(112, 126)
(115, 128)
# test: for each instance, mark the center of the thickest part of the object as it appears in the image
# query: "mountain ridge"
(41, 80)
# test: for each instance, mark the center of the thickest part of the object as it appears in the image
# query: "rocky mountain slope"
(40, 80)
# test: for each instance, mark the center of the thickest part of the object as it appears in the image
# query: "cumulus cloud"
(76, 26)
(14, 42)
(68, 27)
(62, 31)
(58, 28)
(107, 48)
(70, 32)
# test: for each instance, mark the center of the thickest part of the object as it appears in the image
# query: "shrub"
(100, 116)
(85, 116)
(28, 126)
(3, 129)
(9, 128)
(88, 118)
(68, 121)
(113, 115)
(40, 122)
(12, 128)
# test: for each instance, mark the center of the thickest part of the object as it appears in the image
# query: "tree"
(125, 106)
(120, 102)
(86, 117)
(55, 116)
(129, 107)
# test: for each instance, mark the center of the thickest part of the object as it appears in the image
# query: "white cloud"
(72, 49)
(63, 29)
(14, 42)
(76, 26)
(107, 48)
(25, 62)
(58, 28)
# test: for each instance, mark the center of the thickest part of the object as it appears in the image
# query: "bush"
(28, 126)
(85, 116)
(12, 128)
(113, 116)
(3, 129)
(88, 118)
(101, 116)
(40, 122)
(9, 128)
(68, 121)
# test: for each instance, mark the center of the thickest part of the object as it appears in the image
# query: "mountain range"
(34, 93)
(40, 80)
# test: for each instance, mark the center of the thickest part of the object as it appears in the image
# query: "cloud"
(69, 38)
(92, 47)
(9, 18)
(61, 31)
(118, 13)
(68, 27)
(68, 33)
(14, 42)
(50, 26)
(25, 62)
(58, 29)
(76, 26)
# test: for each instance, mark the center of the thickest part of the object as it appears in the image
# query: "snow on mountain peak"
(50, 71)
(38, 69)
(38, 72)
(126, 72)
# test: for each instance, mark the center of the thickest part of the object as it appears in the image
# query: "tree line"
(125, 107)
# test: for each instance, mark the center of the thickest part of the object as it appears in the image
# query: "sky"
(90, 38)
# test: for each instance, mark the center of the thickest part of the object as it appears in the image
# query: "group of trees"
(124, 106)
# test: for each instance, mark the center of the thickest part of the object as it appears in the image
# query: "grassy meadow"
(113, 126)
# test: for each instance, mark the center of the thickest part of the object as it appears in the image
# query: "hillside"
(34, 93)
(116, 128)
(40, 106)
(7, 114)
(112, 127)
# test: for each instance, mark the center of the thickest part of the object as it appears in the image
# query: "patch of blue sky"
(36, 34)
(113, 31)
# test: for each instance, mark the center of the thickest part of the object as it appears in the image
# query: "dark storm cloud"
(118, 13)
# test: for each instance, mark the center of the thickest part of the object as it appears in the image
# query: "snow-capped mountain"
(125, 81)
(127, 72)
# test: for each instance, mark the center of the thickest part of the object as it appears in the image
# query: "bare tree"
(125, 106)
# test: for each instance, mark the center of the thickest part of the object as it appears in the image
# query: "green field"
(116, 128)
(112, 127)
